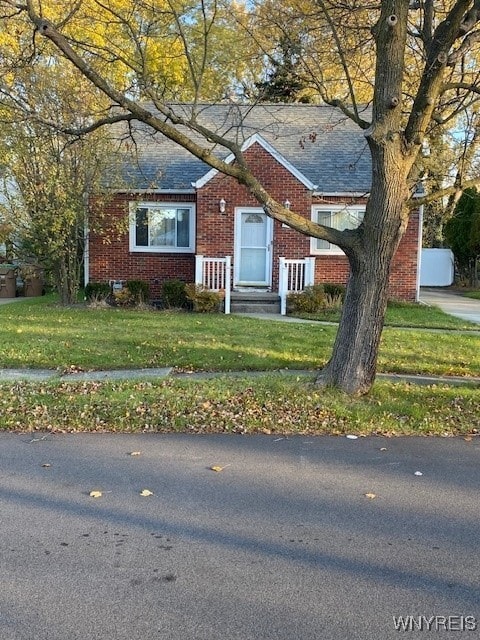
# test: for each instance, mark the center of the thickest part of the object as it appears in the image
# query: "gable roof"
(257, 139)
(320, 146)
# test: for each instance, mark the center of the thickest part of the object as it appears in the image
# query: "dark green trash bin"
(8, 280)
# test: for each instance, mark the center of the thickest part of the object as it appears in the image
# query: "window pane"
(347, 219)
(340, 219)
(183, 227)
(325, 218)
(141, 227)
(162, 227)
(252, 265)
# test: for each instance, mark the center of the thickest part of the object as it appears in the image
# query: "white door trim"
(268, 247)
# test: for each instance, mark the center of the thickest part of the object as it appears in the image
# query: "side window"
(161, 228)
(339, 217)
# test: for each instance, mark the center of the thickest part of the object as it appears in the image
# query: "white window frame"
(332, 249)
(155, 248)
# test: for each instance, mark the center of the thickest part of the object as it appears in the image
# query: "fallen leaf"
(371, 496)
(468, 438)
(135, 453)
(352, 437)
(95, 494)
(418, 473)
(45, 465)
(216, 468)
(383, 448)
(146, 492)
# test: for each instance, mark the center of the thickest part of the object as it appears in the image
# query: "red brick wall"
(403, 277)
(111, 259)
(215, 231)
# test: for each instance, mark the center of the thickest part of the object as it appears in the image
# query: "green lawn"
(38, 333)
(409, 315)
(473, 294)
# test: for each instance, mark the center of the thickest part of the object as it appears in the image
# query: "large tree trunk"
(352, 367)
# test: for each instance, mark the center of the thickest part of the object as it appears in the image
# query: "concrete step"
(255, 308)
(255, 302)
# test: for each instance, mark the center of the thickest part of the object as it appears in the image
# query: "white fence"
(294, 276)
(436, 268)
(215, 274)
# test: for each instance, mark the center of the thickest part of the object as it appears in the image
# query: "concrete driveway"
(295, 538)
(9, 300)
(452, 303)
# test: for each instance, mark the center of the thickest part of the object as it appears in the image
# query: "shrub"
(123, 298)
(318, 298)
(203, 300)
(310, 300)
(334, 290)
(97, 291)
(139, 291)
(333, 302)
(173, 294)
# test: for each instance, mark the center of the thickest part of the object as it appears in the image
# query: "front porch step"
(254, 302)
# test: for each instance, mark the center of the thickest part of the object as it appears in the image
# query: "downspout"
(86, 247)
(85, 259)
(419, 251)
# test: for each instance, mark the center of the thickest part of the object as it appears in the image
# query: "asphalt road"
(281, 544)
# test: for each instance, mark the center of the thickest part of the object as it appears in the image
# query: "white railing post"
(228, 282)
(293, 277)
(283, 285)
(199, 269)
(215, 274)
(309, 272)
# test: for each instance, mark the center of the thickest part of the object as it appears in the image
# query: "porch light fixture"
(222, 205)
(287, 204)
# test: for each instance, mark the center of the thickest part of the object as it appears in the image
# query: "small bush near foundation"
(203, 300)
(310, 300)
(139, 291)
(97, 291)
(173, 294)
(332, 302)
(334, 290)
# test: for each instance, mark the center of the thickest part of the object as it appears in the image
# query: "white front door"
(253, 260)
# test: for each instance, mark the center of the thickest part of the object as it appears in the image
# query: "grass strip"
(403, 314)
(271, 404)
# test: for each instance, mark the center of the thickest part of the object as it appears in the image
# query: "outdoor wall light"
(287, 204)
(222, 205)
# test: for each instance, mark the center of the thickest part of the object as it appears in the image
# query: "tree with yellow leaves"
(420, 53)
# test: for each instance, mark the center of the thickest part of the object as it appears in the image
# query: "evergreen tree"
(462, 232)
(284, 82)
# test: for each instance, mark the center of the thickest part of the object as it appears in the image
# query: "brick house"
(184, 220)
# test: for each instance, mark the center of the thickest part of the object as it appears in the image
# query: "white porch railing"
(294, 276)
(215, 274)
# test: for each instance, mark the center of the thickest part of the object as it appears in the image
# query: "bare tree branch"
(442, 193)
(456, 23)
(450, 86)
(341, 54)
(466, 46)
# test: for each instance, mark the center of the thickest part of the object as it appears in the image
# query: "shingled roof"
(320, 142)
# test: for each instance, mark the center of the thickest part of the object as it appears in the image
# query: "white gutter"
(154, 191)
(341, 194)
